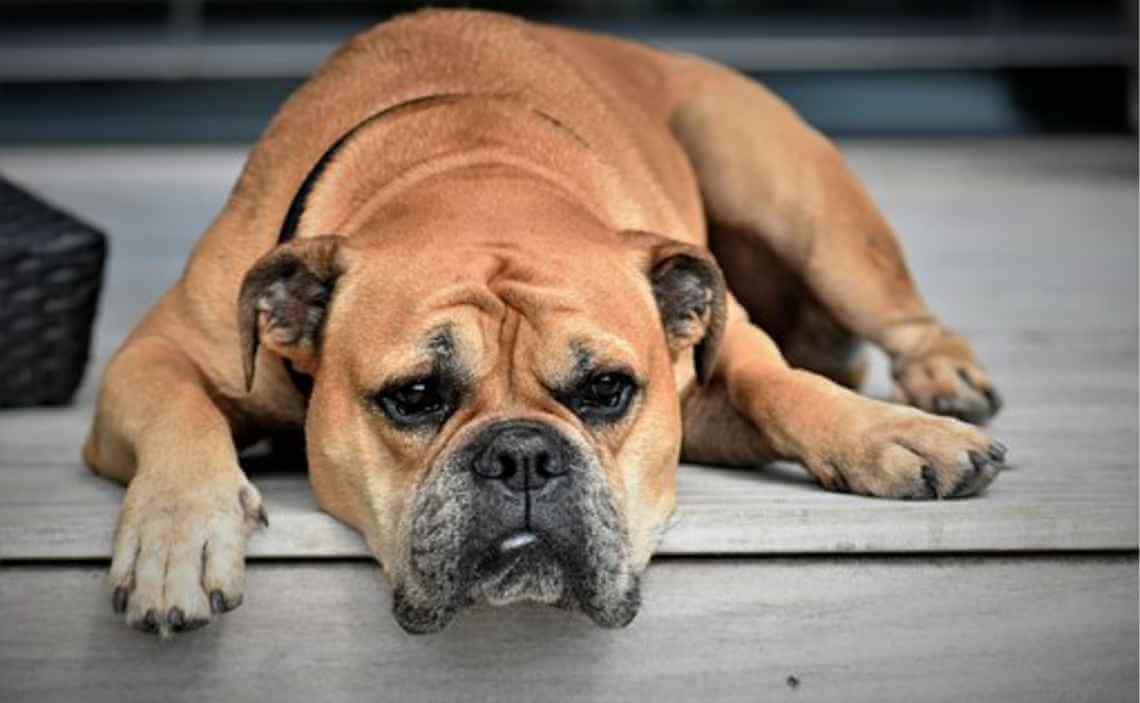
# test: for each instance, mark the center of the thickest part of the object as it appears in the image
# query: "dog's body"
(525, 325)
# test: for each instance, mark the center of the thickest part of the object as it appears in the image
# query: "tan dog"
(472, 254)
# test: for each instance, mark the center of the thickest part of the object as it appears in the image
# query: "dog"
(505, 276)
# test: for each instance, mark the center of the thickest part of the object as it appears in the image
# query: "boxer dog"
(505, 276)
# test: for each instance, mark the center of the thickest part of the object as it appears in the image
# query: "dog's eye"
(413, 403)
(607, 389)
(604, 397)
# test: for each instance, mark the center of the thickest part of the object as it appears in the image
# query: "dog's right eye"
(416, 402)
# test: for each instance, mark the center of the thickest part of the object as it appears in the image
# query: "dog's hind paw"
(943, 378)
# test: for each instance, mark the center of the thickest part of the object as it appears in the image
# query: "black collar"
(297, 206)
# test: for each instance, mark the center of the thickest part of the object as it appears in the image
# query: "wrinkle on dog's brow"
(473, 295)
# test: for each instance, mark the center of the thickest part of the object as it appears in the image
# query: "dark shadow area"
(283, 453)
(784, 472)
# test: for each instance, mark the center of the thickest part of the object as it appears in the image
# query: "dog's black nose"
(524, 458)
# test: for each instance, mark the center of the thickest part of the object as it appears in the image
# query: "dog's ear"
(283, 301)
(690, 292)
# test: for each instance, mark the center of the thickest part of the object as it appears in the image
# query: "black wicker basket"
(51, 269)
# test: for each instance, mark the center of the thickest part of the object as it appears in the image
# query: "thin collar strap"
(297, 206)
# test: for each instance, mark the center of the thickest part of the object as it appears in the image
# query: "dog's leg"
(757, 408)
(768, 180)
(808, 335)
(179, 548)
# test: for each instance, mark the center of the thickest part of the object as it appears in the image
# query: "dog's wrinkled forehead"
(501, 323)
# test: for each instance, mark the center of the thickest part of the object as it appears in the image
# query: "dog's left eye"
(604, 397)
(413, 403)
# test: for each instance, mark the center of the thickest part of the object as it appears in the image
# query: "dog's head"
(493, 406)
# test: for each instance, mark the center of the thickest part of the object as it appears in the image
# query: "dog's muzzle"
(520, 513)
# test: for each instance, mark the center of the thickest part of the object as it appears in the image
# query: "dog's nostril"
(507, 466)
(492, 465)
(548, 466)
(523, 458)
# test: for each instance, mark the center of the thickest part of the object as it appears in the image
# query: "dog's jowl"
(505, 276)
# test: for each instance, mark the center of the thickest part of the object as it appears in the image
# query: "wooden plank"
(1031, 629)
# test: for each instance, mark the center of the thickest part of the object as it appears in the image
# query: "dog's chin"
(520, 568)
(523, 568)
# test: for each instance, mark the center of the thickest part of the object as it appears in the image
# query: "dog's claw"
(993, 399)
(150, 622)
(119, 599)
(998, 451)
(262, 516)
(219, 604)
(977, 460)
(931, 480)
(176, 618)
(985, 467)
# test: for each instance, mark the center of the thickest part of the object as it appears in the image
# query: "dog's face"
(497, 415)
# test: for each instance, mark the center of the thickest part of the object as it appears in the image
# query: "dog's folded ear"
(690, 292)
(284, 298)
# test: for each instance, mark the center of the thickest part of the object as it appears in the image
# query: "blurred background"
(213, 71)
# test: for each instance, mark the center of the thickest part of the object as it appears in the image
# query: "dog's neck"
(391, 153)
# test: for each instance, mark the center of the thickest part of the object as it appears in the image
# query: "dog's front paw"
(179, 550)
(942, 377)
(907, 454)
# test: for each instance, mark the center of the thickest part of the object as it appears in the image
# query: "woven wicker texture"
(51, 269)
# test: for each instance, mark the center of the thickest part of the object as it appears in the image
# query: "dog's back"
(615, 95)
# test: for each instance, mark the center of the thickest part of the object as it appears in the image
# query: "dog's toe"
(958, 461)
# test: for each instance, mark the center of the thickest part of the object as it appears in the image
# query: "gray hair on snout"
(590, 571)
(441, 518)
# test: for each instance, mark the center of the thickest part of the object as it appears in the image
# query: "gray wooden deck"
(766, 588)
